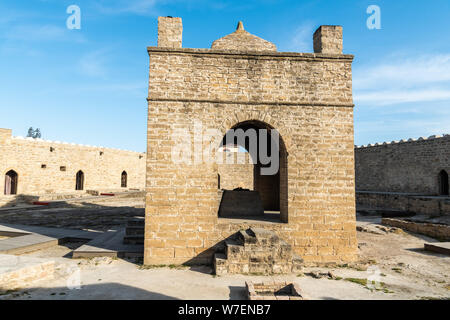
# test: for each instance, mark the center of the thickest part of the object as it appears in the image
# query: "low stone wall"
(273, 291)
(240, 203)
(411, 165)
(19, 272)
(419, 204)
(438, 231)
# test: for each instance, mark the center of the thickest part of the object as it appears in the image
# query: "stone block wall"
(428, 205)
(235, 175)
(411, 166)
(434, 230)
(50, 167)
(32, 270)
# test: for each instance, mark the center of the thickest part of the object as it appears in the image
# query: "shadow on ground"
(237, 293)
(79, 215)
(103, 291)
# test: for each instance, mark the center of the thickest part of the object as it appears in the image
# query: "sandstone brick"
(162, 252)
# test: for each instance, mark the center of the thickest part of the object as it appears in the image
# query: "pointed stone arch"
(79, 180)
(123, 179)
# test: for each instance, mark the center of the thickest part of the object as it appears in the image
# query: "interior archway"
(262, 145)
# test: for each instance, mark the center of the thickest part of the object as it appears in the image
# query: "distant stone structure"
(410, 175)
(34, 167)
(242, 82)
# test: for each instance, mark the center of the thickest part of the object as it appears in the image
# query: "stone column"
(328, 39)
(170, 32)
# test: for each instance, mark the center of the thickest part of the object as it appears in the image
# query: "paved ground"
(31, 238)
(98, 214)
(395, 261)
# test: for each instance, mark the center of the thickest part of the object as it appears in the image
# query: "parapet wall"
(306, 97)
(51, 166)
(410, 166)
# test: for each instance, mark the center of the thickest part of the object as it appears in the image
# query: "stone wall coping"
(100, 148)
(405, 194)
(252, 54)
(390, 193)
(269, 103)
(433, 137)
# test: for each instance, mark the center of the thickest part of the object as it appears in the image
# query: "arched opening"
(123, 179)
(11, 181)
(443, 183)
(256, 185)
(79, 185)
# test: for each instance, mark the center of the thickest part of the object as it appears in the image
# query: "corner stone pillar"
(328, 40)
(170, 32)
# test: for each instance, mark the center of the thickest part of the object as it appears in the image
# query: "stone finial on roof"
(241, 40)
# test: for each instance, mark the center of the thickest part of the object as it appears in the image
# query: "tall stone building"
(243, 82)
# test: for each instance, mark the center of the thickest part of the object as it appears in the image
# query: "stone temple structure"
(243, 82)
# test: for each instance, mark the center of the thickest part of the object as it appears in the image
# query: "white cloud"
(424, 78)
(141, 7)
(399, 126)
(42, 33)
(301, 40)
(154, 7)
(389, 97)
(126, 88)
(93, 64)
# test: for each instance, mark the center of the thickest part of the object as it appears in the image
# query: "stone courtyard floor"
(393, 265)
(98, 215)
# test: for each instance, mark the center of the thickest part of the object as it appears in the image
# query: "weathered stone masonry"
(51, 167)
(307, 97)
(411, 166)
(406, 175)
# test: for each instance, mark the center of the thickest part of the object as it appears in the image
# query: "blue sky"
(89, 86)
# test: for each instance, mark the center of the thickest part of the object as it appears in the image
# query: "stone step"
(135, 239)
(109, 244)
(234, 251)
(27, 243)
(257, 251)
(439, 247)
(219, 264)
(134, 230)
(246, 237)
(265, 237)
